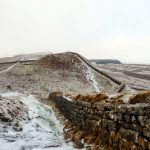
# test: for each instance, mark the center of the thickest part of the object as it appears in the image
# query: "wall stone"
(121, 126)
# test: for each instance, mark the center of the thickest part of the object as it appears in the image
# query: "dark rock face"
(122, 126)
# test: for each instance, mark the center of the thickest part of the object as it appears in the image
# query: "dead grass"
(64, 61)
(101, 97)
(79, 137)
(117, 99)
(53, 95)
(142, 97)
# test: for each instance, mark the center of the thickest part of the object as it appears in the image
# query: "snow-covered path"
(41, 131)
(91, 78)
(9, 68)
(12, 66)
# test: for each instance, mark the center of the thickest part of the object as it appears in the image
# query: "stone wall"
(97, 70)
(124, 126)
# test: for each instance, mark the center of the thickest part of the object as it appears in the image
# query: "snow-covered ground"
(34, 56)
(41, 131)
(91, 78)
(137, 76)
(9, 68)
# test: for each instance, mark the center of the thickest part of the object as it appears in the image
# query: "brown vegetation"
(100, 97)
(79, 137)
(60, 61)
(142, 97)
(54, 94)
(117, 99)
(67, 64)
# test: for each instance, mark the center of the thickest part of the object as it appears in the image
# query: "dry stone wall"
(97, 70)
(124, 126)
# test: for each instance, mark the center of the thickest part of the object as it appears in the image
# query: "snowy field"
(134, 75)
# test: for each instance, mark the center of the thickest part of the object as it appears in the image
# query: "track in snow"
(42, 131)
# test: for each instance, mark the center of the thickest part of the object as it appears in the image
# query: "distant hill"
(25, 57)
(105, 61)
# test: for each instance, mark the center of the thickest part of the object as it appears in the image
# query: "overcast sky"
(118, 29)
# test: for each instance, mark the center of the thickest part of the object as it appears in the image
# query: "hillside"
(25, 85)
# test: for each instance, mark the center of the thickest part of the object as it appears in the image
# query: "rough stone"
(124, 126)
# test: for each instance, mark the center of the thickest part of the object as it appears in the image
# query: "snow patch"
(91, 78)
(42, 131)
